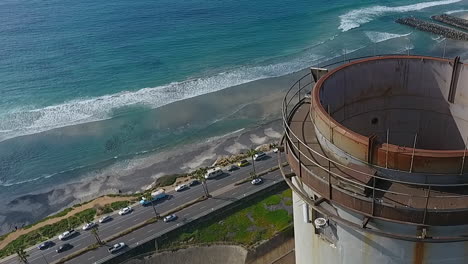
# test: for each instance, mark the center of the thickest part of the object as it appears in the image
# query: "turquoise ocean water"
(103, 65)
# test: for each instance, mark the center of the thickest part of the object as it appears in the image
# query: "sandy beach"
(258, 100)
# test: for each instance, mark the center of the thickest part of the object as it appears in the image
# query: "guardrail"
(295, 96)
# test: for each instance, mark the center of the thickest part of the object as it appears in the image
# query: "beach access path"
(221, 188)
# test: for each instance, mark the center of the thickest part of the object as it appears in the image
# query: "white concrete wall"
(355, 247)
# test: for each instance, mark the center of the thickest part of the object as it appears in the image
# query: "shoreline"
(136, 174)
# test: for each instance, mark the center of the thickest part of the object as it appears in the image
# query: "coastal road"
(221, 188)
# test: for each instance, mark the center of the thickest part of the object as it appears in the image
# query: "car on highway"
(116, 247)
(45, 245)
(243, 163)
(63, 248)
(181, 187)
(194, 182)
(155, 196)
(275, 150)
(256, 181)
(259, 156)
(125, 210)
(67, 234)
(89, 225)
(170, 218)
(232, 168)
(213, 173)
(105, 219)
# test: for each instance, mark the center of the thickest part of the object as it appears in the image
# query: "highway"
(221, 188)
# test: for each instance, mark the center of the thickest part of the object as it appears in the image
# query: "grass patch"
(272, 200)
(247, 226)
(287, 193)
(109, 208)
(168, 180)
(2, 237)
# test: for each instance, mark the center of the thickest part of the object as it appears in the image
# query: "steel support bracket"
(365, 221)
(319, 201)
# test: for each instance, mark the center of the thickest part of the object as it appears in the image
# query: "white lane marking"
(131, 239)
(202, 207)
(171, 204)
(186, 214)
(91, 258)
(234, 193)
(149, 231)
(136, 219)
(78, 245)
(119, 227)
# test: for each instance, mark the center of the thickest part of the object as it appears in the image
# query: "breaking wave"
(456, 11)
(357, 17)
(30, 121)
(377, 37)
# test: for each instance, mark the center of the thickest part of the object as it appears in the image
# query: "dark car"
(63, 248)
(194, 182)
(232, 168)
(45, 245)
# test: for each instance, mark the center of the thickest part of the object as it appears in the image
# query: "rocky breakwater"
(433, 28)
(451, 20)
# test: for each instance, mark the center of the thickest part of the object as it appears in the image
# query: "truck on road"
(155, 196)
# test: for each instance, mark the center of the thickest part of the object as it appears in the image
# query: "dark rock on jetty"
(451, 20)
(433, 28)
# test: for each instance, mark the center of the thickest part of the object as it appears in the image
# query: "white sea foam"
(377, 37)
(357, 17)
(23, 121)
(456, 11)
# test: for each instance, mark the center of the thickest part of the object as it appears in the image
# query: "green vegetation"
(272, 200)
(256, 221)
(287, 193)
(109, 208)
(168, 180)
(287, 196)
(2, 237)
(59, 214)
(48, 231)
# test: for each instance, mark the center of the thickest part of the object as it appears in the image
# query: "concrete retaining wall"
(198, 255)
(270, 251)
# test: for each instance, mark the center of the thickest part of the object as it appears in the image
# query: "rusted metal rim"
(317, 106)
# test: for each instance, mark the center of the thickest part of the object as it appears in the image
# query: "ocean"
(83, 84)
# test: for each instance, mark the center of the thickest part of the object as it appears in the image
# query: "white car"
(125, 210)
(259, 156)
(256, 181)
(170, 218)
(66, 234)
(181, 187)
(275, 150)
(89, 225)
(105, 219)
(116, 247)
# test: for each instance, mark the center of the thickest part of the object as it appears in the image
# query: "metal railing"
(295, 97)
